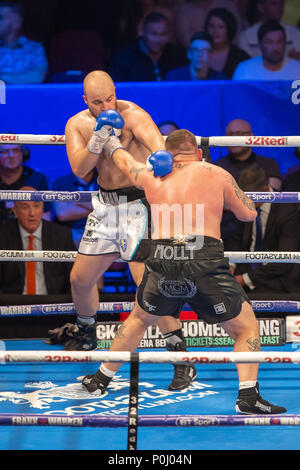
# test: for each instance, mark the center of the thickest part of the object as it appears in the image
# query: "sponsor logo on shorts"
(220, 308)
(92, 222)
(150, 307)
(176, 288)
(123, 244)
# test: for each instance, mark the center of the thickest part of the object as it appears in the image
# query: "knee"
(142, 319)
(78, 280)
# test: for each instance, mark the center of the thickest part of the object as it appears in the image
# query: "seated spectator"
(291, 182)
(273, 64)
(189, 17)
(166, 127)
(221, 25)
(276, 229)
(198, 67)
(22, 61)
(34, 278)
(151, 56)
(15, 173)
(270, 10)
(239, 159)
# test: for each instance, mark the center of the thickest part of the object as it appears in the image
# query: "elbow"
(79, 172)
(249, 217)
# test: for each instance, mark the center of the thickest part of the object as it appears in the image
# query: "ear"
(200, 154)
(14, 211)
(84, 99)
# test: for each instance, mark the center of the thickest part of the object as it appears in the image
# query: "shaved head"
(99, 92)
(239, 127)
(96, 79)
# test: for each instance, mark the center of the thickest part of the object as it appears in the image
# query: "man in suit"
(276, 229)
(35, 278)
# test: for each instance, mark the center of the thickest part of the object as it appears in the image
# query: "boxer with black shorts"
(187, 262)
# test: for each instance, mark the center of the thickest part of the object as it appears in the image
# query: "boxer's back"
(198, 190)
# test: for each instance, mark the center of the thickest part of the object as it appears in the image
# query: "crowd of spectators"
(143, 40)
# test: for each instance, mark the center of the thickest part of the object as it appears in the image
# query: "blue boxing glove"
(160, 162)
(106, 122)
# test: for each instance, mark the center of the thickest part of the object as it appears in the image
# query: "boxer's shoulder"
(129, 110)
(81, 120)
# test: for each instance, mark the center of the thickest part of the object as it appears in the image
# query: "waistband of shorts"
(113, 196)
(192, 247)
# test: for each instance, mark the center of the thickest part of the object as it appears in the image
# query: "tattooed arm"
(136, 171)
(237, 201)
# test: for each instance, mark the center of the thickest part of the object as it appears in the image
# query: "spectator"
(239, 159)
(151, 56)
(276, 229)
(270, 10)
(198, 67)
(291, 182)
(22, 61)
(273, 64)
(221, 25)
(189, 17)
(14, 173)
(166, 127)
(74, 214)
(49, 278)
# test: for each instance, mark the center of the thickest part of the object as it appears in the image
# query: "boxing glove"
(106, 122)
(160, 162)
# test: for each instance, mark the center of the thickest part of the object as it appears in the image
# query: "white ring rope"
(234, 256)
(213, 141)
(272, 357)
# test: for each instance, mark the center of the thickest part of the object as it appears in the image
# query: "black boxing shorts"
(176, 275)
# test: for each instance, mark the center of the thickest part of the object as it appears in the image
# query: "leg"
(244, 330)
(84, 276)
(127, 338)
(166, 324)
(172, 332)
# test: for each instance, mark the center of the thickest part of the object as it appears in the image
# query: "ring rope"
(189, 357)
(22, 419)
(213, 141)
(85, 196)
(126, 307)
(234, 256)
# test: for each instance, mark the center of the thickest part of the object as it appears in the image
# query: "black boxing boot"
(184, 375)
(84, 338)
(249, 402)
(96, 383)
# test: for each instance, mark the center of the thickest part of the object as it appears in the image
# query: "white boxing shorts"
(118, 224)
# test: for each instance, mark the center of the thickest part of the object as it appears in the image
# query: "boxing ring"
(42, 403)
